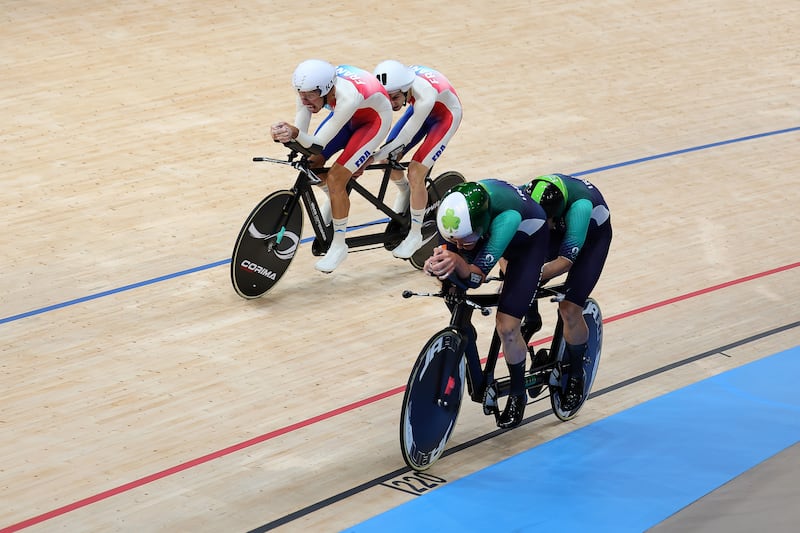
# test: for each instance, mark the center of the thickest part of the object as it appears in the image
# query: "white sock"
(325, 204)
(403, 194)
(402, 184)
(417, 217)
(339, 231)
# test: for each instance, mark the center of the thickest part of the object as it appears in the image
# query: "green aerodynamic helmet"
(464, 212)
(550, 192)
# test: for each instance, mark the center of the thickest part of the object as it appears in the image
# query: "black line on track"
(300, 513)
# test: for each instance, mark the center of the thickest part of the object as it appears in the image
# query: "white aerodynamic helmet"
(394, 75)
(314, 74)
(464, 212)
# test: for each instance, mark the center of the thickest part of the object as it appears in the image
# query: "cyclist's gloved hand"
(440, 264)
(282, 132)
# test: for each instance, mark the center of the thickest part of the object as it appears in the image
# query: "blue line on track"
(306, 240)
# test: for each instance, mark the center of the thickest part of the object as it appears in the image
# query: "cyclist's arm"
(424, 100)
(577, 219)
(556, 267)
(302, 117)
(347, 101)
(471, 275)
(502, 230)
(448, 263)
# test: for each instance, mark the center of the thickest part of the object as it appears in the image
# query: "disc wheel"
(264, 248)
(591, 361)
(432, 400)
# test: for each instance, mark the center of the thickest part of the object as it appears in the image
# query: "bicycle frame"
(307, 177)
(268, 240)
(481, 376)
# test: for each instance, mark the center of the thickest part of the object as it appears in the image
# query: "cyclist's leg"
(361, 135)
(414, 182)
(519, 288)
(338, 176)
(335, 145)
(514, 352)
(581, 280)
(438, 129)
(401, 201)
(435, 134)
(398, 177)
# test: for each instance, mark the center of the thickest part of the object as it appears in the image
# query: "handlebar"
(303, 164)
(298, 148)
(456, 293)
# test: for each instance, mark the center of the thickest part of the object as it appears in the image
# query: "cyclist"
(482, 222)
(360, 117)
(580, 223)
(432, 117)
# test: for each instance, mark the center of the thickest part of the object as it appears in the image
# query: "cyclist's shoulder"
(432, 75)
(496, 184)
(355, 83)
(573, 183)
(351, 73)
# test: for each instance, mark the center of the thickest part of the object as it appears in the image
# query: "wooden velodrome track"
(140, 393)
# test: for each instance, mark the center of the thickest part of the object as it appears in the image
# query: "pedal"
(490, 401)
(538, 360)
(318, 248)
(555, 376)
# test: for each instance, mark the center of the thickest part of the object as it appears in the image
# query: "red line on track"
(335, 412)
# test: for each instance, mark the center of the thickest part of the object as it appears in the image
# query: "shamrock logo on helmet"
(450, 221)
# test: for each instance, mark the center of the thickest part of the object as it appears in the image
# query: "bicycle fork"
(449, 385)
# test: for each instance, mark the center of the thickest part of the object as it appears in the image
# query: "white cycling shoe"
(409, 246)
(332, 259)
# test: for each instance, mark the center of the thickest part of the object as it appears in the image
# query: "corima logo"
(249, 266)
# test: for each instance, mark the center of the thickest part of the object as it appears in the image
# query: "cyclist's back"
(514, 219)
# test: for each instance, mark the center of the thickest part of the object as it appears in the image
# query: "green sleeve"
(502, 230)
(577, 218)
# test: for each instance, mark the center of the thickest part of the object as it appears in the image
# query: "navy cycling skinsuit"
(517, 232)
(582, 235)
